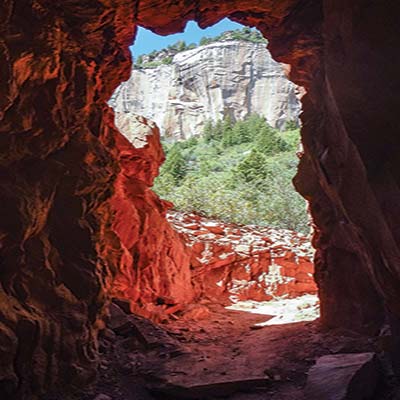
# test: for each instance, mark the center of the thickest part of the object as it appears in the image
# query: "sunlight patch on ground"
(283, 310)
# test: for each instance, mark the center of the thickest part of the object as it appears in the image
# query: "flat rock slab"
(148, 334)
(343, 377)
(212, 389)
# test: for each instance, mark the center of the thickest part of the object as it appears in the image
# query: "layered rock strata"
(234, 78)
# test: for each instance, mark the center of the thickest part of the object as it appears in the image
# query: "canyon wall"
(58, 166)
(234, 78)
(62, 60)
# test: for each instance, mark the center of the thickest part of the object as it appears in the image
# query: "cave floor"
(214, 352)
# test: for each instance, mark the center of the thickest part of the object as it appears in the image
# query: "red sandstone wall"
(155, 266)
(58, 254)
(61, 60)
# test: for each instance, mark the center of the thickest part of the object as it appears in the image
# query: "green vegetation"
(164, 56)
(150, 64)
(247, 34)
(237, 172)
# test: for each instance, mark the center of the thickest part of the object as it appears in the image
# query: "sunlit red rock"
(232, 262)
(155, 270)
(162, 272)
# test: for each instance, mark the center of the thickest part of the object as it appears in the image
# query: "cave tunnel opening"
(78, 212)
(229, 124)
(213, 330)
(219, 289)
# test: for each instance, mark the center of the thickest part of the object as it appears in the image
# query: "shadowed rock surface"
(220, 356)
(343, 377)
(62, 60)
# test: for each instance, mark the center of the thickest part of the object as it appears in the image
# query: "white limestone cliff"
(232, 77)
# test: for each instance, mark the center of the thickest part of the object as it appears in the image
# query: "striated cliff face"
(232, 77)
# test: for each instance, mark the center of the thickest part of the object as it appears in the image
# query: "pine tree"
(218, 130)
(205, 40)
(139, 60)
(291, 125)
(181, 45)
(175, 165)
(240, 133)
(208, 131)
(269, 142)
(253, 167)
(255, 122)
(227, 131)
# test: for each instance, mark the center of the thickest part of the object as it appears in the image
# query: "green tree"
(139, 60)
(240, 133)
(218, 130)
(236, 183)
(255, 123)
(164, 185)
(269, 142)
(291, 125)
(227, 131)
(167, 60)
(175, 164)
(181, 45)
(208, 131)
(253, 167)
(205, 40)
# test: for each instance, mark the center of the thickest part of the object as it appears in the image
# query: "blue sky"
(147, 41)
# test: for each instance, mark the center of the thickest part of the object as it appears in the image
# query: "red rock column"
(155, 270)
(353, 158)
(60, 62)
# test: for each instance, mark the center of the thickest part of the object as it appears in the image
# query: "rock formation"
(155, 268)
(234, 78)
(62, 60)
(245, 262)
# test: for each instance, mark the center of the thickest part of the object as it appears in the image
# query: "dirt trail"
(234, 353)
(223, 353)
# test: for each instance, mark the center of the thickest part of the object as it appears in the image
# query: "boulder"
(343, 377)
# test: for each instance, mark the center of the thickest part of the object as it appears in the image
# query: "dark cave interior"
(78, 214)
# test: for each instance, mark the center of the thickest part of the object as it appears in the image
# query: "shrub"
(167, 60)
(175, 164)
(246, 179)
(253, 167)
